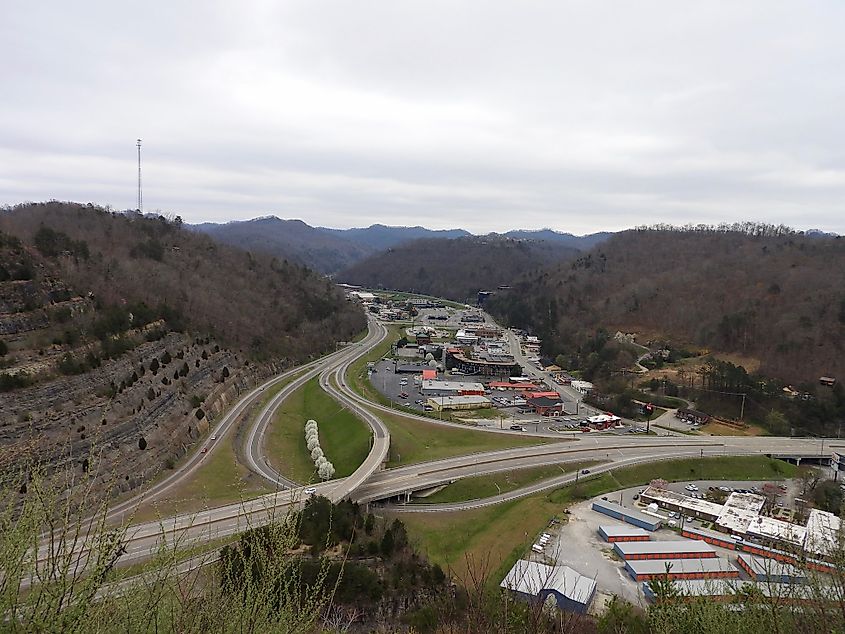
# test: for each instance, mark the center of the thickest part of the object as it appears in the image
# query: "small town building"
(440, 403)
(432, 387)
(545, 406)
(534, 581)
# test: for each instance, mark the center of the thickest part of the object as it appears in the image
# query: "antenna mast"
(140, 196)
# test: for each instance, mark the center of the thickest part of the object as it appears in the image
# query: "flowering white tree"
(325, 469)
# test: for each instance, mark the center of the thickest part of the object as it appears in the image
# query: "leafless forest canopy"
(267, 307)
(455, 268)
(764, 291)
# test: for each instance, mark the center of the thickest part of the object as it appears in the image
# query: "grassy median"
(493, 538)
(345, 438)
(484, 486)
(413, 441)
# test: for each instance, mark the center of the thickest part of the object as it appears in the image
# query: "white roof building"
(432, 385)
(777, 530)
(739, 510)
(536, 580)
(823, 530)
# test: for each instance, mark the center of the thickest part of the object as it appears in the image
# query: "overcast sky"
(579, 116)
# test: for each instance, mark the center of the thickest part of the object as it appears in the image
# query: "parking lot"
(509, 405)
(577, 544)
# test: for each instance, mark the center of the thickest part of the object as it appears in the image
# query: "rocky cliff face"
(130, 403)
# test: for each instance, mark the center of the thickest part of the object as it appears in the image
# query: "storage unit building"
(675, 549)
(613, 533)
(762, 569)
(711, 568)
(629, 516)
(722, 540)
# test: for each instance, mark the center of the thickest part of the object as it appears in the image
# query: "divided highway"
(370, 483)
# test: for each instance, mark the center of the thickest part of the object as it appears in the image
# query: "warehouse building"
(534, 581)
(431, 387)
(440, 403)
(613, 533)
(761, 569)
(675, 549)
(726, 590)
(709, 568)
(629, 516)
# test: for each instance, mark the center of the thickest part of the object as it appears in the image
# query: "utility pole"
(742, 408)
(140, 195)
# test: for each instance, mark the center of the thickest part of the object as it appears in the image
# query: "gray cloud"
(579, 116)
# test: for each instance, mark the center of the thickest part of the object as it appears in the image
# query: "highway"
(221, 429)
(371, 483)
(253, 449)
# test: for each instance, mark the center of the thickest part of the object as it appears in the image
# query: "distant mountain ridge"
(329, 250)
(380, 237)
(457, 268)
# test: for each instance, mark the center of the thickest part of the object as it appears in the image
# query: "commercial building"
(440, 403)
(629, 516)
(822, 533)
(545, 406)
(432, 387)
(483, 365)
(739, 510)
(674, 549)
(534, 581)
(582, 386)
(740, 516)
(507, 385)
(613, 533)
(769, 530)
(789, 556)
(550, 394)
(710, 568)
(700, 509)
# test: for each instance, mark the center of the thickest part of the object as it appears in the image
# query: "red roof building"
(551, 395)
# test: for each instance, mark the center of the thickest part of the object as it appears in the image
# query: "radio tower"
(140, 195)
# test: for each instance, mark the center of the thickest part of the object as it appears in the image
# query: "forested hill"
(291, 240)
(765, 292)
(455, 268)
(254, 302)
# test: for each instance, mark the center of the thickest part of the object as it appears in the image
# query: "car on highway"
(204, 450)
(585, 471)
(214, 437)
(310, 491)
